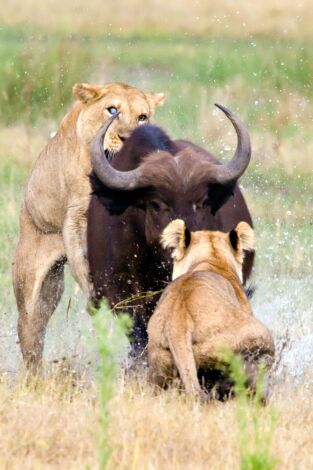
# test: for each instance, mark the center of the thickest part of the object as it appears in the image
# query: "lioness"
(205, 308)
(53, 216)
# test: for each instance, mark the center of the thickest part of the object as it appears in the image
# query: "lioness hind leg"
(161, 366)
(181, 348)
(38, 281)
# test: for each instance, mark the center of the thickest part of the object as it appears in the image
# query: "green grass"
(12, 178)
(188, 68)
(281, 205)
(37, 74)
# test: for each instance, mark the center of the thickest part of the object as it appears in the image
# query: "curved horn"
(238, 164)
(110, 177)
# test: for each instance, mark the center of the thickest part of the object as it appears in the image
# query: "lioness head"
(99, 102)
(217, 248)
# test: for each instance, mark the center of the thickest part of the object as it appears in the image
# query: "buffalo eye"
(112, 110)
(155, 206)
(158, 206)
(202, 204)
(142, 117)
(206, 202)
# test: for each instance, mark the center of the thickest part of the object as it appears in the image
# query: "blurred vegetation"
(12, 178)
(37, 74)
(38, 70)
(241, 18)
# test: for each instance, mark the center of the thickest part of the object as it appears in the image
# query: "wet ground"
(284, 305)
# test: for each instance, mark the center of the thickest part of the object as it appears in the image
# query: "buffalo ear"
(242, 237)
(88, 93)
(155, 99)
(176, 236)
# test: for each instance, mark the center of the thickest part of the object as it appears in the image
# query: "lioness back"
(200, 300)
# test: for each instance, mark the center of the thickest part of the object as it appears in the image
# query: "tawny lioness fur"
(205, 309)
(53, 217)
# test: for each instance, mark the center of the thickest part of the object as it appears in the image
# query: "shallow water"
(284, 305)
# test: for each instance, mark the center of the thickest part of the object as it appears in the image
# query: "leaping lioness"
(205, 308)
(53, 216)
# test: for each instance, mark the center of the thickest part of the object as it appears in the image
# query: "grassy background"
(256, 60)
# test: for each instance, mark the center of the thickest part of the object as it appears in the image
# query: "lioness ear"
(155, 99)
(86, 92)
(242, 237)
(176, 236)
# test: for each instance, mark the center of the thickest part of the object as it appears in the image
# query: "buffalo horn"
(128, 180)
(231, 171)
(110, 177)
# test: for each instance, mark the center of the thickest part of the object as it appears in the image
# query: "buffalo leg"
(141, 316)
(38, 281)
(139, 337)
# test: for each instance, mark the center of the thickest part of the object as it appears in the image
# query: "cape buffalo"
(151, 181)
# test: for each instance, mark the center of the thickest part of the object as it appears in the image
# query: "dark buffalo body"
(124, 225)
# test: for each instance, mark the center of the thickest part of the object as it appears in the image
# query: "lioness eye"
(142, 117)
(112, 110)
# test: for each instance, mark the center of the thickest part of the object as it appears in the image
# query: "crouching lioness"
(205, 309)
